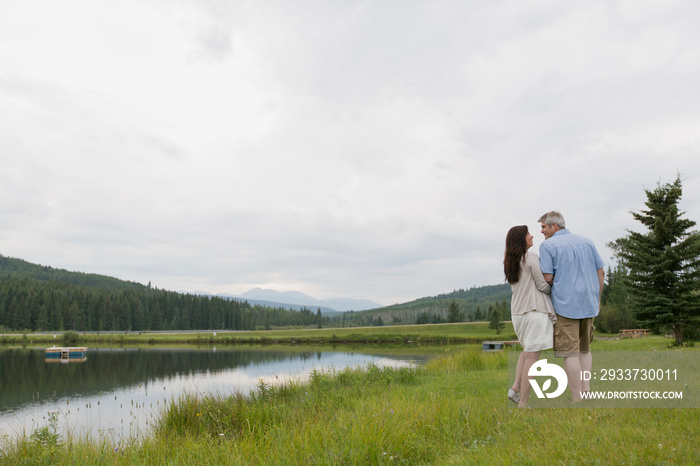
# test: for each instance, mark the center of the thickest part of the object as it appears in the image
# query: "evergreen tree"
(615, 313)
(663, 263)
(72, 316)
(453, 314)
(13, 315)
(496, 319)
(42, 322)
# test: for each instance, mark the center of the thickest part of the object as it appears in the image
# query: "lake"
(120, 392)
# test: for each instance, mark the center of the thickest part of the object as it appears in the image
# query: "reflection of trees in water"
(23, 373)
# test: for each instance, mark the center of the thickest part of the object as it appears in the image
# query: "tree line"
(41, 298)
(34, 305)
(472, 305)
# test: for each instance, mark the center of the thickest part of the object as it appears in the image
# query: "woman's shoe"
(514, 396)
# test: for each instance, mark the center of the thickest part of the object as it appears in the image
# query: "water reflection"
(120, 392)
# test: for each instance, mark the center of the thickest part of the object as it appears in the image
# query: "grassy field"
(437, 333)
(464, 332)
(451, 411)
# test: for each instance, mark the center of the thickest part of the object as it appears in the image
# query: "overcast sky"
(374, 150)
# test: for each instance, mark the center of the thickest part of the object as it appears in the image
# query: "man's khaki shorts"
(572, 336)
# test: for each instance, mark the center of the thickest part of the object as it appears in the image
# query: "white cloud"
(370, 150)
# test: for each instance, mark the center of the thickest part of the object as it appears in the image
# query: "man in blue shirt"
(572, 265)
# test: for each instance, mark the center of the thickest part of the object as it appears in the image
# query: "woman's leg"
(518, 373)
(525, 387)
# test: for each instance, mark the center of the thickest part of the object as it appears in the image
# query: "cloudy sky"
(375, 150)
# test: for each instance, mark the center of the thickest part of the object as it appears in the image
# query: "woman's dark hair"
(516, 247)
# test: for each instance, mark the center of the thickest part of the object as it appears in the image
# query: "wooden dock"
(497, 345)
(66, 354)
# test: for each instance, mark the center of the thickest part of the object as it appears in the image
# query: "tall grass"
(453, 410)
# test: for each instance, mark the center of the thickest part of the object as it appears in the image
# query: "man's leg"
(567, 346)
(572, 367)
(586, 357)
(586, 362)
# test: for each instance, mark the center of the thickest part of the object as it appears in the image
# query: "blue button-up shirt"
(574, 261)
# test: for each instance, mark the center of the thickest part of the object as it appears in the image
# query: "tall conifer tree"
(453, 314)
(663, 263)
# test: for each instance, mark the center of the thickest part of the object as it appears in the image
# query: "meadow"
(453, 410)
(435, 333)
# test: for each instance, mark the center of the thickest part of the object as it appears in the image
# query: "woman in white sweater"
(530, 307)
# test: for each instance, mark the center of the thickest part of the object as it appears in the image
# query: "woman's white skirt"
(534, 330)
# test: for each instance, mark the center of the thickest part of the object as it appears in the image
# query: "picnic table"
(633, 333)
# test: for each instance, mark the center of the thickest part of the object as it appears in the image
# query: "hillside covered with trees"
(36, 298)
(41, 298)
(472, 305)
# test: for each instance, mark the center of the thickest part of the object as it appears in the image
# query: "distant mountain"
(291, 297)
(326, 311)
(294, 298)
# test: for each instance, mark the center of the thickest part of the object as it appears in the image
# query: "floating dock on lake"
(66, 355)
(497, 345)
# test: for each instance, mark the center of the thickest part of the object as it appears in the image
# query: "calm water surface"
(120, 392)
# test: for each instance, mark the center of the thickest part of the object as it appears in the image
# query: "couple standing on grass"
(571, 271)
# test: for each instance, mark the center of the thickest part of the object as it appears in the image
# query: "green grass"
(462, 332)
(435, 333)
(451, 411)
(650, 343)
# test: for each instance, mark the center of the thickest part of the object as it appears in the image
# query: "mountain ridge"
(298, 298)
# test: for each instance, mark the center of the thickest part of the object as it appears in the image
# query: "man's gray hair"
(550, 218)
